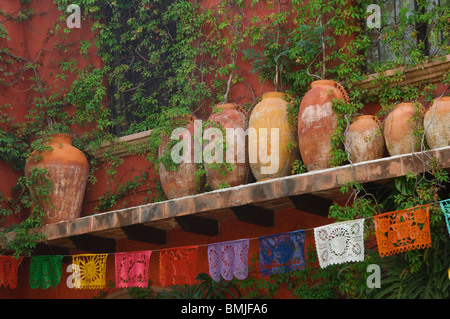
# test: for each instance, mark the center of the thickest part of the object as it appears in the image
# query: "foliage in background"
(164, 59)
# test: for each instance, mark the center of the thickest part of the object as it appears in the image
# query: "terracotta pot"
(182, 182)
(226, 117)
(398, 130)
(269, 156)
(364, 139)
(68, 170)
(317, 121)
(437, 123)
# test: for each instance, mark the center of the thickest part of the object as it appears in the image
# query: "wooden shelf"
(431, 73)
(254, 203)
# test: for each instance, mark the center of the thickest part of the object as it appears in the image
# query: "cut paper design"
(177, 266)
(282, 253)
(402, 230)
(132, 269)
(8, 271)
(45, 271)
(89, 271)
(228, 259)
(340, 242)
(445, 206)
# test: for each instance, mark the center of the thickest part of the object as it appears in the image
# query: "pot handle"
(242, 110)
(377, 120)
(343, 92)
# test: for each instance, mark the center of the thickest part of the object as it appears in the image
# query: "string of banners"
(336, 243)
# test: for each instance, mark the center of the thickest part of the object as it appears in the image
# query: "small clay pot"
(316, 123)
(275, 160)
(364, 139)
(183, 181)
(231, 117)
(399, 128)
(437, 123)
(68, 171)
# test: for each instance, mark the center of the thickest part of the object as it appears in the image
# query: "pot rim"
(323, 82)
(273, 94)
(52, 135)
(442, 98)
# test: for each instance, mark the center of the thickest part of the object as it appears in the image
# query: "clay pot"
(437, 123)
(398, 130)
(229, 116)
(316, 123)
(68, 171)
(183, 181)
(269, 156)
(364, 139)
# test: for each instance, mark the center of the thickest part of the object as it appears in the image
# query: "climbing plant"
(160, 60)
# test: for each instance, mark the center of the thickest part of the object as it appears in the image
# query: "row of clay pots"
(184, 181)
(68, 168)
(364, 139)
(270, 112)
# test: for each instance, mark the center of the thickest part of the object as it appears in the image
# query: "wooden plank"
(312, 204)
(255, 215)
(253, 203)
(46, 249)
(94, 244)
(146, 234)
(198, 225)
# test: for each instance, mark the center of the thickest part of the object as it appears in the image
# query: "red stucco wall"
(26, 41)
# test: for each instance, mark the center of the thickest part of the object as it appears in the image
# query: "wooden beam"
(254, 215)
(146, 234)
(312, 204)
(94, 244)
(198, 225)
(45, 249)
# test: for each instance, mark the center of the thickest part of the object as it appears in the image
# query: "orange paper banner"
(403, 230)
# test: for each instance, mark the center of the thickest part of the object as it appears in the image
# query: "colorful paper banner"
(8, 271)
(228, 259)
(45, 271)
(402, 230)
(340, 242)
(282, 253)
(89, 271)
(177, 266)
(132, 269)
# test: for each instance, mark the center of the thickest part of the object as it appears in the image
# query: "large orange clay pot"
(68, 171)
(269, 156)
(233, 170)
(183, 181)
(316, 123)
(364, 139)
(437, 123)
(399, 128)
